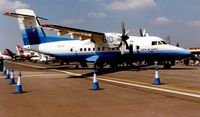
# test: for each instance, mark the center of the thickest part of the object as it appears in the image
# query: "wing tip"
(6, 13)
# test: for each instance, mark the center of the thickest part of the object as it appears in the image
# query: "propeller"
(168, 39)
(124, 37)
(143, 33)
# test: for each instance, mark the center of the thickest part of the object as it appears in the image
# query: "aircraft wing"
(96, 37)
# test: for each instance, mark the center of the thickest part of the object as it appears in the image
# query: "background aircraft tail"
(10, 53)
(20, 50)
(31, 30)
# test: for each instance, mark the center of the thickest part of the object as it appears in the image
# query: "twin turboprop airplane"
(89, 46)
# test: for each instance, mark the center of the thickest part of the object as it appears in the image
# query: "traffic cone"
(4, 70)
(12, 80)
(157, 79)
(18, 88)
(7, 73)
(95, 84)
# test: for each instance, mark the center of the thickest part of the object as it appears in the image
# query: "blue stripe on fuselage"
(34, 36)
(137, 55)
(162, 54)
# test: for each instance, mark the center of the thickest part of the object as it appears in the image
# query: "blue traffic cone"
(12, 80)
(7, 73)
(95, 84)
(4, 70)
(18, 88)
(157, 79)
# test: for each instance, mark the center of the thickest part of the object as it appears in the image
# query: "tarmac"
(65, 91)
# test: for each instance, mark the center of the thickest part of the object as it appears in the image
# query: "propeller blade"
(122, 48)
(120, 44)
(123, 44)
(141, 32)
(123, 28)
(127, 46)
(127, 32)
(168, 39)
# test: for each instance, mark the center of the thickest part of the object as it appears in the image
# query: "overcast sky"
(180, 19)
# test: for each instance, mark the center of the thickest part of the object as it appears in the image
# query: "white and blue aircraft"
(89, 46)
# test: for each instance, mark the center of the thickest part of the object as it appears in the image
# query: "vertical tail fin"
(31, 30)
(5, 52)
(20, 50)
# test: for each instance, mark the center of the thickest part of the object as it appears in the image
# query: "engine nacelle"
(112, 39)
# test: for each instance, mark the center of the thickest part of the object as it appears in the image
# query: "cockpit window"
(163, 42)
(154, 43)
(159, 43)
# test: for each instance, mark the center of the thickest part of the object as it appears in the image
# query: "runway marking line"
(169, 89)
(41, 75)
(150, 84)
(162, 88)
(40, 67)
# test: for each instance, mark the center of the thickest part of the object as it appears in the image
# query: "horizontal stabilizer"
(17, 15)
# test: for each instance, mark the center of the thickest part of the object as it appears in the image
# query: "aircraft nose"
(185, 53)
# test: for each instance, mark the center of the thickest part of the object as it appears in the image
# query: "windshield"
(164, 42)
(158, 43)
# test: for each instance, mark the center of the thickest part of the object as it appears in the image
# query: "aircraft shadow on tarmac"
(89, 71)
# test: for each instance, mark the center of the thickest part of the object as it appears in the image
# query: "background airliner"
(5, 56)
(100, 48)
(25, 54)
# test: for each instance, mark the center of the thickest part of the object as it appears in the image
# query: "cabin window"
(93, 49)
(71, 49)
(103, 48)
(81, 49)
(85, 49)
(154, 43)
(137, 47)
(113, 48)
(99, 48)
(88, 49)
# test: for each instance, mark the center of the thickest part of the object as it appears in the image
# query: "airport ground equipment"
(18, 88)
(157, 79)
(12, 80)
